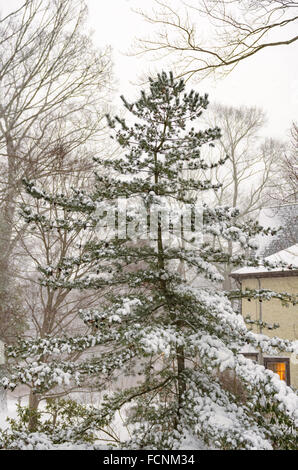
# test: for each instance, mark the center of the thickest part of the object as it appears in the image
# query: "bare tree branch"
(216, 35)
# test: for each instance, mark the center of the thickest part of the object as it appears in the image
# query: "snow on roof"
(288, 256)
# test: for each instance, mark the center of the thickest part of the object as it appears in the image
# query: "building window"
(252, 356)
(280, 366)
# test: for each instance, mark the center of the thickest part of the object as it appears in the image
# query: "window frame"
(251, 356)
(285, 360)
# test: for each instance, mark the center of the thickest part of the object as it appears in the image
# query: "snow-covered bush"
(53, 423)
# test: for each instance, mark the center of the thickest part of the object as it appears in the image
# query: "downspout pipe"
(261, 359)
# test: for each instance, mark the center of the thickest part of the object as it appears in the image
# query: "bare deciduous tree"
(53, 88)
(250, 167)
(286, 182)
(53, 83)
(251, 159)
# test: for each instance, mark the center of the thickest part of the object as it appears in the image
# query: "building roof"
(288, 256)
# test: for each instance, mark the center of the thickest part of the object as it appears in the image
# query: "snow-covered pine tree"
(176, 339)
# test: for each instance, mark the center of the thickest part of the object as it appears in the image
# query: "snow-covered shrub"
(53, 423)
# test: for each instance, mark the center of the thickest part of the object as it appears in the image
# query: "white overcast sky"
(267, 80)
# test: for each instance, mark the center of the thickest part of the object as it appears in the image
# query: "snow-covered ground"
(40, 442)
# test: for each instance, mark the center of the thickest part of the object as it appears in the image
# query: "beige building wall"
(274, 312)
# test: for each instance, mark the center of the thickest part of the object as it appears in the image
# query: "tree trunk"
(33, 408)
(3, 394)
(181, 368)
